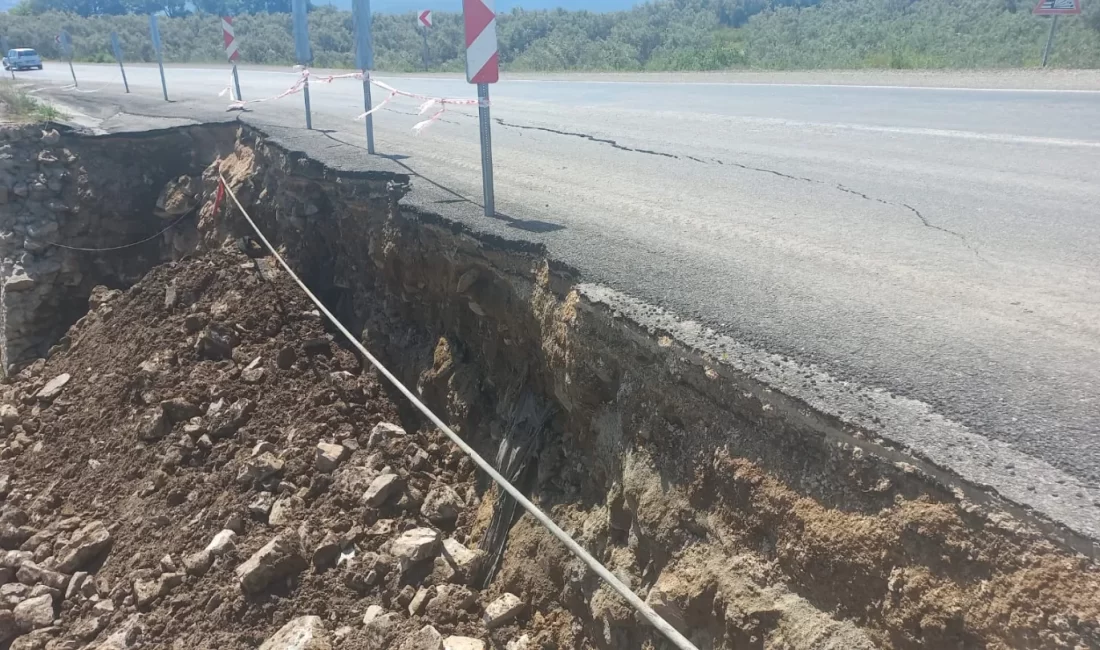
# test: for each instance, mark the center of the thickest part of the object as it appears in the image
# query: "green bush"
(662, 35)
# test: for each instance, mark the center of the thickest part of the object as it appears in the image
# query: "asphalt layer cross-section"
(939, 246)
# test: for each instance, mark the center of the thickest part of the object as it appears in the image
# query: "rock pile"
(204, 467)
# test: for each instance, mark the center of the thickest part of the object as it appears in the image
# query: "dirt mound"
(199, 465)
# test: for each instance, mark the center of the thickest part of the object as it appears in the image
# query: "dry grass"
(16, 105)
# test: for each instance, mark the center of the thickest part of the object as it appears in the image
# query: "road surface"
(941, 244)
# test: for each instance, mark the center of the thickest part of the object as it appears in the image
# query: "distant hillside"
(664, 35)
(455, 6)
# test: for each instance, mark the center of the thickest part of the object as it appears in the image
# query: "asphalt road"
(941, 244)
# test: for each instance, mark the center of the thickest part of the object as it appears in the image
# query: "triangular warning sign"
(1056, 7)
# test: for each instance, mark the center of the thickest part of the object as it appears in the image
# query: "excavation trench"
(744, 517)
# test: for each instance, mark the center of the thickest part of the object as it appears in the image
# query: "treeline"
(662, 35)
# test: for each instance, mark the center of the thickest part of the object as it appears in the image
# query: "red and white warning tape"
(428, 102)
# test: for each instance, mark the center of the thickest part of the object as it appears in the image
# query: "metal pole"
(486, 149)
(73, 72)
(125, 83)
(163, 83)
(367, 105)
(237, 83)
(424, 32)
(4, 47)
(1050, 39)
(305, 94)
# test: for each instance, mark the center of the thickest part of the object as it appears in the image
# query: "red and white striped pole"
(231, 52)
(482, 68)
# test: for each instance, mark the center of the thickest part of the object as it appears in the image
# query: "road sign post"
(1054, 8)
(302, 50)
(4, 48)
(66, 43)
(116, 47)
(154, 32)
(424, 22)
(1050, 39)
(482, 68)
(364, 60)
(232, 53)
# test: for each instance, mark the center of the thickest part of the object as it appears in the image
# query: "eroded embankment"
(716, 497)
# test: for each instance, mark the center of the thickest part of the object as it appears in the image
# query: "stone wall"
(74, 211)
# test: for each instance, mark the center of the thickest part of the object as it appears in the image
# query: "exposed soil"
(91, 453)
(209, 397)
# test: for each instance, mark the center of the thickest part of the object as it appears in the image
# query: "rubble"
(463, 643)
(382, 489)
(329, 456)
(34, 613)
(280, 557)
(415, 545)
(442, 505)
(502, 610)
(302, 633)
(83, 546)
(176, 502)
(426, 638)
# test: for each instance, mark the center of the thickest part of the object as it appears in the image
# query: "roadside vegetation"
(18, 106)
(661, 35)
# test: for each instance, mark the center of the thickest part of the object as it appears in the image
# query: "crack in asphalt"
(924, 220)
(586, 136)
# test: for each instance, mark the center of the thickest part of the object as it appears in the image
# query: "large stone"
(382, 489)
(442, 505)
(12, 536)
(198, 563)
(178, 197)
(91, 626)
(419, 601)
(19, 280)
(463, 643)
(154, 425)
(149, 590)
(222, 542)
(426, 638)
(12, 594)
(457, 563)
(329, 456)
(259, 468)
(226, 422)
(53, 387)
(34, 613)
(31, 573)
(85, 545)
(15, 559)
(127, 636)
(503, 610)
(302, 633)
(36, 640)
(284, 509)
(9, 416)
(662, 599)
(8, 628)
(215, 343)
(279, 558)
(178, 409)
(415, 545)
(379, 627)
(382, 433)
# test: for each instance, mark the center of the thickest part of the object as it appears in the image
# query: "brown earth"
(92, 453)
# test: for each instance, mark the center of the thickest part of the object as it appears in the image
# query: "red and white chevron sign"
(230, 39)
(482, 56)
(425, 17)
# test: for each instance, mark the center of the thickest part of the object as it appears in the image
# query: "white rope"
(645, 610)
